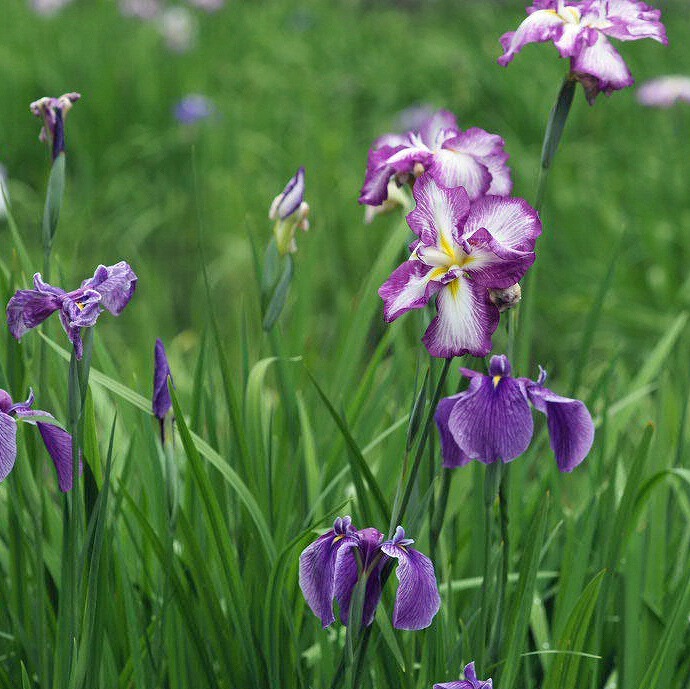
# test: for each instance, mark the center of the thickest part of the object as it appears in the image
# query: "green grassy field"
(208, 596)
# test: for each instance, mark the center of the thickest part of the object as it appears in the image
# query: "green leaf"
(54, 195)
(279, 295)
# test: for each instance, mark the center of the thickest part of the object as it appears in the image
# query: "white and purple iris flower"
(330, 568)
(57, 441)
(464, 250)
(53, 112)
(492, 421)
(470, 681)
(473, 159)
(664, 92)
(581, 31)
(110, 289)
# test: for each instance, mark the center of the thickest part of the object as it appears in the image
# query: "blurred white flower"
(179, 29)
(207, 5)
(141, 9)
(663, 92)
(48, 7)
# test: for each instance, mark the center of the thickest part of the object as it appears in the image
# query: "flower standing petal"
(116, 285)
(417, 600)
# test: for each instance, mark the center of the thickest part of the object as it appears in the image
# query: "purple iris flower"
(581, 31)
(57, 442)
(162, 403)
(331, 567)
(664, 92)
(110, 288)
(464, 250)
(194, 108)
(290, 212)
(473, 159)
(470, 681)
(53, 112)
(492, 421)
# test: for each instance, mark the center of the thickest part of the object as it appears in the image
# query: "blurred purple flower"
(581, 31)
(141, 9)
(178, 28)
(664, 92)
(470, 681)
(290, 212)
(57, 441)
(53, 112)
(473, 159)
(207, 5)
(492, 421)
(332, 566)
(48, 7)
(110, 288)
(193, 108)
(464, 250)
(162, 403)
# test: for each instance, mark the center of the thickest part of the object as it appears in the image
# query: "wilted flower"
(664, 92)
(580, 31)
(492, 421)
(473, 159)
(506, 298)
(290, 212)
(464, 250)
(331, 567)
(53, 112)
(110, 288)
(470, 681)
(162, 403)
(193, 108)
(178, 28)
(57, 442)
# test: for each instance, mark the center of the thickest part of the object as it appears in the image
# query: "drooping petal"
(410, 286)
(439, 212)
(464, 322)
(511, 221)
(162, 403)
(115, 284)
(417, 600)
(632, 20)
(8, 444)
(602, 62)
(59, 445)
(492, 420)
(28, 309)
(434, 125)
(452, 454)
(316, 573)
(539, 27)
(571, 429)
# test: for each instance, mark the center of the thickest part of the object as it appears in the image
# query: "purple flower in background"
(473, 159)
(53, 112)
(110, 289)
(464, 250)
(178, 28)
(141, 9)
(331, 567)
(664, 92)
(470, 681)
(290, 212)
(193, 108)
(57, 442)
(581, 31)
(492, 421)
(162, 403)
(48, 7)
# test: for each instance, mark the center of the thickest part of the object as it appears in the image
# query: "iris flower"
(331, 567)
(162, 403)
(473, 159)
(110, 289)
(470, 681)
(290, 212)
(581, 31)
(53, 112)
(492, 421)
(57, 442)
(664, 92)
(464, 250)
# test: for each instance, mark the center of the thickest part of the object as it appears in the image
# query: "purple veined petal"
(456, 169)
(115, 284)
(417, 599)
(632, 20)
(470, 681)
(465, 321)
(493, 265)
(664, 92)
(493, 420)
(73, 333)
(45, 288)
(571, 429)
(452, 454)
(28, 309)
(433, 126)
(539, 27)
(410, 286)
(82, 308)
(511, 221)
(5, 401)
(439, 212)
(290, 199)
(162, 403)
(603, 63)
(8, 444)
(59, 445)
(317, 571)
